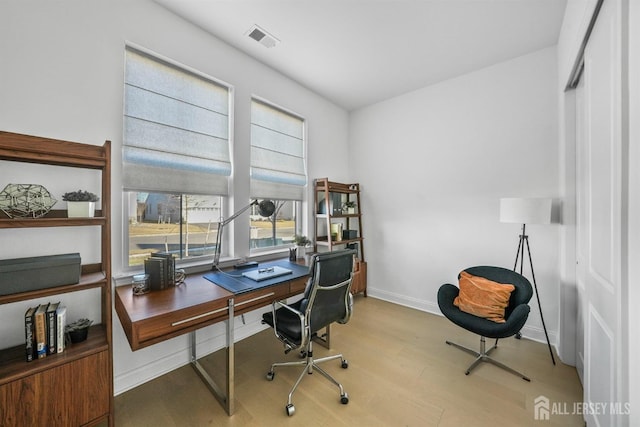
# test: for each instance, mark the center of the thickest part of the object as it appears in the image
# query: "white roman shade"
(277, 153)
(176, 129)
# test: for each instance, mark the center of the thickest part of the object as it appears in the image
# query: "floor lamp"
(527, 211)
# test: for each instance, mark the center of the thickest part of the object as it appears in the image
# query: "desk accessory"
(234, 281)
(244, 265)
(140, 284)
(266, 208)
(265, 273)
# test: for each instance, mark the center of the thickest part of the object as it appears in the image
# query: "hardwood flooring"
(401, 373)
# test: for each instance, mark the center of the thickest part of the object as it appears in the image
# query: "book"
(40, 325)
(169, 267)
(61, 322)
(155, 268)
(29, 334)
(52, 325)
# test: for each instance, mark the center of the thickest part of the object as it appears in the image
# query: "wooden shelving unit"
(75, 387)
(328, 209)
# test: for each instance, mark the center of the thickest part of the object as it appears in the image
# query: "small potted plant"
(80, 204)
(78, 330)
(301, 242)
(349, 207)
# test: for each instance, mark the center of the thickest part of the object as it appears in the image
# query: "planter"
(77, 331)
(78, 335)
(301, 251)
(81, 209)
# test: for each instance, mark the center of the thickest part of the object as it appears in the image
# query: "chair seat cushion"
(287, 321)
(483, 297)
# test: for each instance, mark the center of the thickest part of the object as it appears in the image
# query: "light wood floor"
(401, 373)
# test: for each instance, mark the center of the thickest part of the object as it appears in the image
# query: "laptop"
(266, 273)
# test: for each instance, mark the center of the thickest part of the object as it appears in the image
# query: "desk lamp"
(527, 211)
(266, 208)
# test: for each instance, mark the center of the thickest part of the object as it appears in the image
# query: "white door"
(599, 213)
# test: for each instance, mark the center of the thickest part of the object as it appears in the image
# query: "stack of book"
(44, 330)
(161, 268)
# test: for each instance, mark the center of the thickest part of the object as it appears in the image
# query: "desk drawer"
(297, 286)
(260, 298)
(180, 321)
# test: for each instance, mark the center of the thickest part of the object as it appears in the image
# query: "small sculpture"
(26, 201)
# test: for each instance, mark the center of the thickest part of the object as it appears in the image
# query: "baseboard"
(418, 304)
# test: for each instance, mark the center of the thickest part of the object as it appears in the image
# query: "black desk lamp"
(527, 211)
(266, 208)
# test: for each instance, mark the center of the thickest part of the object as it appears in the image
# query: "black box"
(349, 234)
(30, 274)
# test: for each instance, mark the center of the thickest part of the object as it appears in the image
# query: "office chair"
(326, 299)
(516, 313)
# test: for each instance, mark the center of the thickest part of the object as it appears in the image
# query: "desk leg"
(226, 399)
(324, 339)
(231, 367)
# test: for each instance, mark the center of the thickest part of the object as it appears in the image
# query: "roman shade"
(176, 129)
(277, 153)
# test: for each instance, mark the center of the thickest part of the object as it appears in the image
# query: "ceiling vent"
(262, 37)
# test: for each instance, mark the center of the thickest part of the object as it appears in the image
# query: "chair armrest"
(349, 309)
(516, 319)
(275, 306)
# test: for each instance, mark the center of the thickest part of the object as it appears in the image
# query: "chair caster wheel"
(290, 409)
(345, 364)
(303, 354)
(270, 375)
(344, 399)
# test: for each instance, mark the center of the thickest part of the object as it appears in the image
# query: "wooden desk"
(160, 315)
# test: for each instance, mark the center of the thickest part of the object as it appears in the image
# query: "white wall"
(433, 165)
(62, 77)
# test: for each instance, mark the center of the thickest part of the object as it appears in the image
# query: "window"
(278, 172)
(176, 157)
(182, 224)
(276, 230)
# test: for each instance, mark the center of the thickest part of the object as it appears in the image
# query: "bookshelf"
(81, 377)
(330, 198)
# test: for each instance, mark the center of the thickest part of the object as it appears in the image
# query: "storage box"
(349, 234)
(29, 274)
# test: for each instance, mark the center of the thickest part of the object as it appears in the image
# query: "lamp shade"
(525, 211)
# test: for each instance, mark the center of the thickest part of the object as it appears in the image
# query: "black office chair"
(516, 313)
(327, 299)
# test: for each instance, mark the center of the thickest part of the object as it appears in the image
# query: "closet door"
(599, 221)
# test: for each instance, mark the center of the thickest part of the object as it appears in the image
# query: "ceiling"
(359, 52)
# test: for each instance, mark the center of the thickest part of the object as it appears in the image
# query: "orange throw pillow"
(483, 297)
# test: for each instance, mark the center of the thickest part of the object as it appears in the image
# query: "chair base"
(483, 356)
(310, 365)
